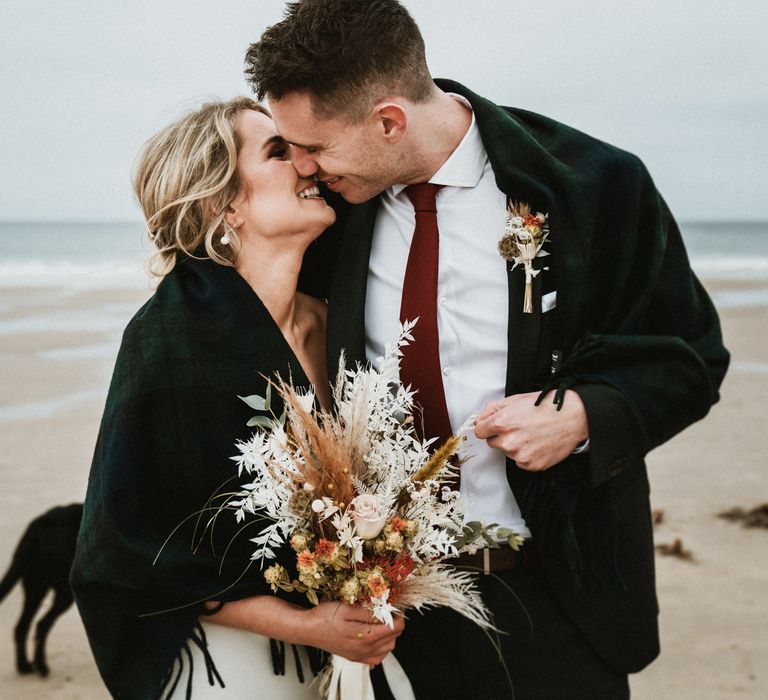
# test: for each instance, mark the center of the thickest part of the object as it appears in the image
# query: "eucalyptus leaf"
(473, 527)
(261, 421)
(258, 403)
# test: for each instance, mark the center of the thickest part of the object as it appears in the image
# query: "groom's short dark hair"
(345, 54)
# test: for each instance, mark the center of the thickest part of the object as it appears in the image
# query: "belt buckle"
(486, 561)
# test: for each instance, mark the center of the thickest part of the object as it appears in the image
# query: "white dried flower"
(318, 506)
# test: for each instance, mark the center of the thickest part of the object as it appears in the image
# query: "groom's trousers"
(545, 657)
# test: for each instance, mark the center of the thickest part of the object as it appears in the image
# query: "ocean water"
(71, 255)
(727, 250)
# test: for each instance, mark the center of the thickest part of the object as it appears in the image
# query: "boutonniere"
(523, 240)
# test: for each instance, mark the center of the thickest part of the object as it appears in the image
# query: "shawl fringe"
(317, 658)
(199, 639)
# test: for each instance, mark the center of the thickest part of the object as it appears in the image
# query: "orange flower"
(397, 524)
(531, 220)
(325, 549)
(305, 560)
(377, 584)
(395, 571)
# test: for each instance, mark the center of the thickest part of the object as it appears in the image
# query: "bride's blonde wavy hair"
(184, 179)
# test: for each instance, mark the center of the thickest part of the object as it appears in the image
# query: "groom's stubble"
(351, 157)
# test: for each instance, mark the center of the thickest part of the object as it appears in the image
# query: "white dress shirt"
(472, 308)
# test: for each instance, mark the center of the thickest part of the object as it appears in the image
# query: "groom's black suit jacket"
(640, 343)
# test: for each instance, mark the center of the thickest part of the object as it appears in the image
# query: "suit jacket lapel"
(346, 309)
(523, 330)
(530, 337)
(526, 169)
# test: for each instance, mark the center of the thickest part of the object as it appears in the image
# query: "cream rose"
(368, 515)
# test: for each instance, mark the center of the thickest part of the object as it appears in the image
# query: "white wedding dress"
(244, 662)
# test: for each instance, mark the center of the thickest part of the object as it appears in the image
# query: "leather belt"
(502, 559)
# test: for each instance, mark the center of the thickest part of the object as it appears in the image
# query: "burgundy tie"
(420, 364)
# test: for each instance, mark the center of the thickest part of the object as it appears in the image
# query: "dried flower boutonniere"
(523, 240)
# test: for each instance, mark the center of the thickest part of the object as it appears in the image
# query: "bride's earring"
(226, 239)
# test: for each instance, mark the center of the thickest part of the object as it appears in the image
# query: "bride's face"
(272, 199)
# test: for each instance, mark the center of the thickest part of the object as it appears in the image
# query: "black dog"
(42, 561)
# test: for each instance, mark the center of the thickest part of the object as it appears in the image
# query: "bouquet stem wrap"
(528, 298)
(352, 681)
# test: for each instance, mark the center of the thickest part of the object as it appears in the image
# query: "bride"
(162, 578)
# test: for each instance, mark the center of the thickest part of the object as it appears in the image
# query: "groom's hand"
(535, 437)
(349, 631)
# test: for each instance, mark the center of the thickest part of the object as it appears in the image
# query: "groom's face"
(351, 159)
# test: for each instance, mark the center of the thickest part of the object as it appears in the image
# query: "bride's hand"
(347, 630)
(351, 632)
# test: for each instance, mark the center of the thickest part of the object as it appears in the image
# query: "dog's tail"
(14, 572)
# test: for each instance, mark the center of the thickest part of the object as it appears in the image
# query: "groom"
(621, 339)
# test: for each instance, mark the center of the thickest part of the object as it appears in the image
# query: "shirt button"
(447, 371)
(443, 301)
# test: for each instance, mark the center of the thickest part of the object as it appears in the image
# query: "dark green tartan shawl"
(170, 424)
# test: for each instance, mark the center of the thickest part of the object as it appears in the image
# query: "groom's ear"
(392, 120)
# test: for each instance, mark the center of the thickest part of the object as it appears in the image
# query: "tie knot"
(423, 195)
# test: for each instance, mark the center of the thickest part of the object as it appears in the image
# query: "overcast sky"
(682, 83)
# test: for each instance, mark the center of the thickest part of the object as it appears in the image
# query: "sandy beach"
(57, 351)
